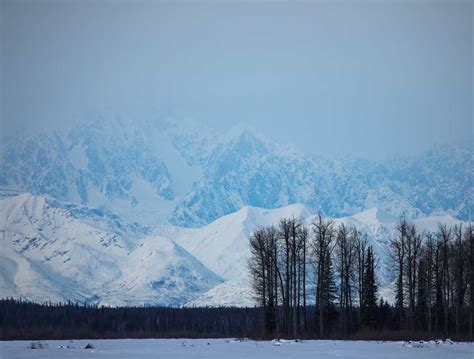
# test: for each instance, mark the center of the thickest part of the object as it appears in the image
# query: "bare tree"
(361, 249)
(429, 257)
(322, 250)
(397, 255)
(303, 242)
(445, 234)
(346, 255)
(261, 268)
(460, 259)
(412, 245)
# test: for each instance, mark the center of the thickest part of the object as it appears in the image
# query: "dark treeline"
(434, 282)
(26, 320)
(20, 320)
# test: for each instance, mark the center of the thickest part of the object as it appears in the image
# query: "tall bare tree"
(345, 265)
(445, 235)
(397, 255)
(361, 249)
(323, 245)
(412, 244)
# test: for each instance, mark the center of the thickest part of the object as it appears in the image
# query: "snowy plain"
(231, 348)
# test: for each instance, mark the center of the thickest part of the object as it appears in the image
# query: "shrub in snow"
(89, 346)
(38, 345)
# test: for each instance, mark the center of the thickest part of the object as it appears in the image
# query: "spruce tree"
(422, 296)
(369, 295)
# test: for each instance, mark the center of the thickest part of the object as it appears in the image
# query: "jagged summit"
(171, 172)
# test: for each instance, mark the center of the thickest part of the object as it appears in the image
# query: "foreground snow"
(231, 348)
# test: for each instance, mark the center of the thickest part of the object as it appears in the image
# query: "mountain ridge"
(171, 173)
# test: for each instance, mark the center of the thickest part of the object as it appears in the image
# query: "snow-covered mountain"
(47, 253)
(223, 244)
(247, 170)
(160, 212)
(166, 172)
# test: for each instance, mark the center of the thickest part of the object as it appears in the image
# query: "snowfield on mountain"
(47, 254)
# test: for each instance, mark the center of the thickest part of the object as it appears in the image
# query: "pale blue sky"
(347, 77)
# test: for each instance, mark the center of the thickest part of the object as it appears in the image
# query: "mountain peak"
(375, 216)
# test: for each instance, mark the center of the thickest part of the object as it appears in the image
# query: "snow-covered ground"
(230, 348)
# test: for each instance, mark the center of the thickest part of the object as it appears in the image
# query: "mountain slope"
(223, 244)
(49, 254)
(158, 271)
